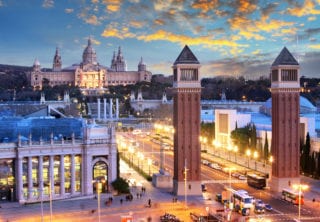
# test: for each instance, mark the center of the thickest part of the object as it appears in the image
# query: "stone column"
(104, 109)
(62, 185)
(40, 176)
(73, 175)
(18, 175)
(117, 108)
(112, 169)
(98, 108)
(51, 175)
(30, 183)
(110, 108)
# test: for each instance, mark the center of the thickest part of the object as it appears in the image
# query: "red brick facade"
(186, 139)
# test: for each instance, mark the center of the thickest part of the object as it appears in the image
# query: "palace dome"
(89, 55)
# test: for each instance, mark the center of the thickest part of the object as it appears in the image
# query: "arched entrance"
(100, 175)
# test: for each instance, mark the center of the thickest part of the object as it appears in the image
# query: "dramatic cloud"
(205, 5)
(112, 5)
(114, 30)
(314, 46)
(307, 9)
(93, 20)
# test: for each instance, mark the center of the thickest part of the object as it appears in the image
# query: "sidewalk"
(86, 208)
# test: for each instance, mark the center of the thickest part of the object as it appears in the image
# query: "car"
(218, 197)
(242, 177)
(203, 187)
(268, 207)
(258, 209)
(259, 202)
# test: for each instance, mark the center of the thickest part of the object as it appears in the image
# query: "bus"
(292, 196)
(242, 202)
(256, 181)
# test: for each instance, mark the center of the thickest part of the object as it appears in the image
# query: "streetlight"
(248, 153)
(149, 164)
(255, 156)
(300, 187)
(229, 148)
(98, 188)
(235, 150)
(131, 151)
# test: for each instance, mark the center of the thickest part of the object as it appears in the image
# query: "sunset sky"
(228, 37)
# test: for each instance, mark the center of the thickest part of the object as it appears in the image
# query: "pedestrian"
(121, 201)
(149, 202)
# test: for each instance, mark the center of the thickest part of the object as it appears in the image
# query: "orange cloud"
(307, 9)
(114, 31)
(112, 5)
(183, 39)
(205, 5)
(250, 29)
(136, 24)
(250, 35)
(317, 46)
(245, 6)
(93, 20)
(159, 22)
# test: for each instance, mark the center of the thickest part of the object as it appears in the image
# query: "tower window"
(175, 73)
(189, 75)
(289, 75)
(274, 75)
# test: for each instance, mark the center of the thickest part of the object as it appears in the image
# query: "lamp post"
(300, 187)
(229, 148)
(149, 164)
(235, 150)
(255, 156)
(98, 188)
(248, 153)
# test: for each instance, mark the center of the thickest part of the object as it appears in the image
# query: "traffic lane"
(209, 173)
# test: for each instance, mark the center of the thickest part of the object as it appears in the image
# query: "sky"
(229, 37)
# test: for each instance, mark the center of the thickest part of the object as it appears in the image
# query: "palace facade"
(46, 158)
(89, 74)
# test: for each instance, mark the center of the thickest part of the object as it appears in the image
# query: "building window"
(25, 176)
(274, 75)
(46, 175)
(289, 75)
(189, 75)
(77, 161)
(67, 173)
(56, 173)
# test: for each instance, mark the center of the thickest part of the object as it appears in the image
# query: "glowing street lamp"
(149, 164)
(235, 150)
(300, 187)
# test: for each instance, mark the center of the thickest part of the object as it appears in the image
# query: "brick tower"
(285, 145)
(186, 120)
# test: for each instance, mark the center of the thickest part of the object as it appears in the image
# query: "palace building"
(89, 75)
(46, 158)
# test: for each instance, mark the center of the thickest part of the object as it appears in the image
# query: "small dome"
(36, 62)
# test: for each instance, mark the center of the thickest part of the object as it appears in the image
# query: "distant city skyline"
(228, 37)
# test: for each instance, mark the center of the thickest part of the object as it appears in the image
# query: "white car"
(242, 177)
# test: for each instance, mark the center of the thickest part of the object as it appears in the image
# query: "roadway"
(218, 179)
